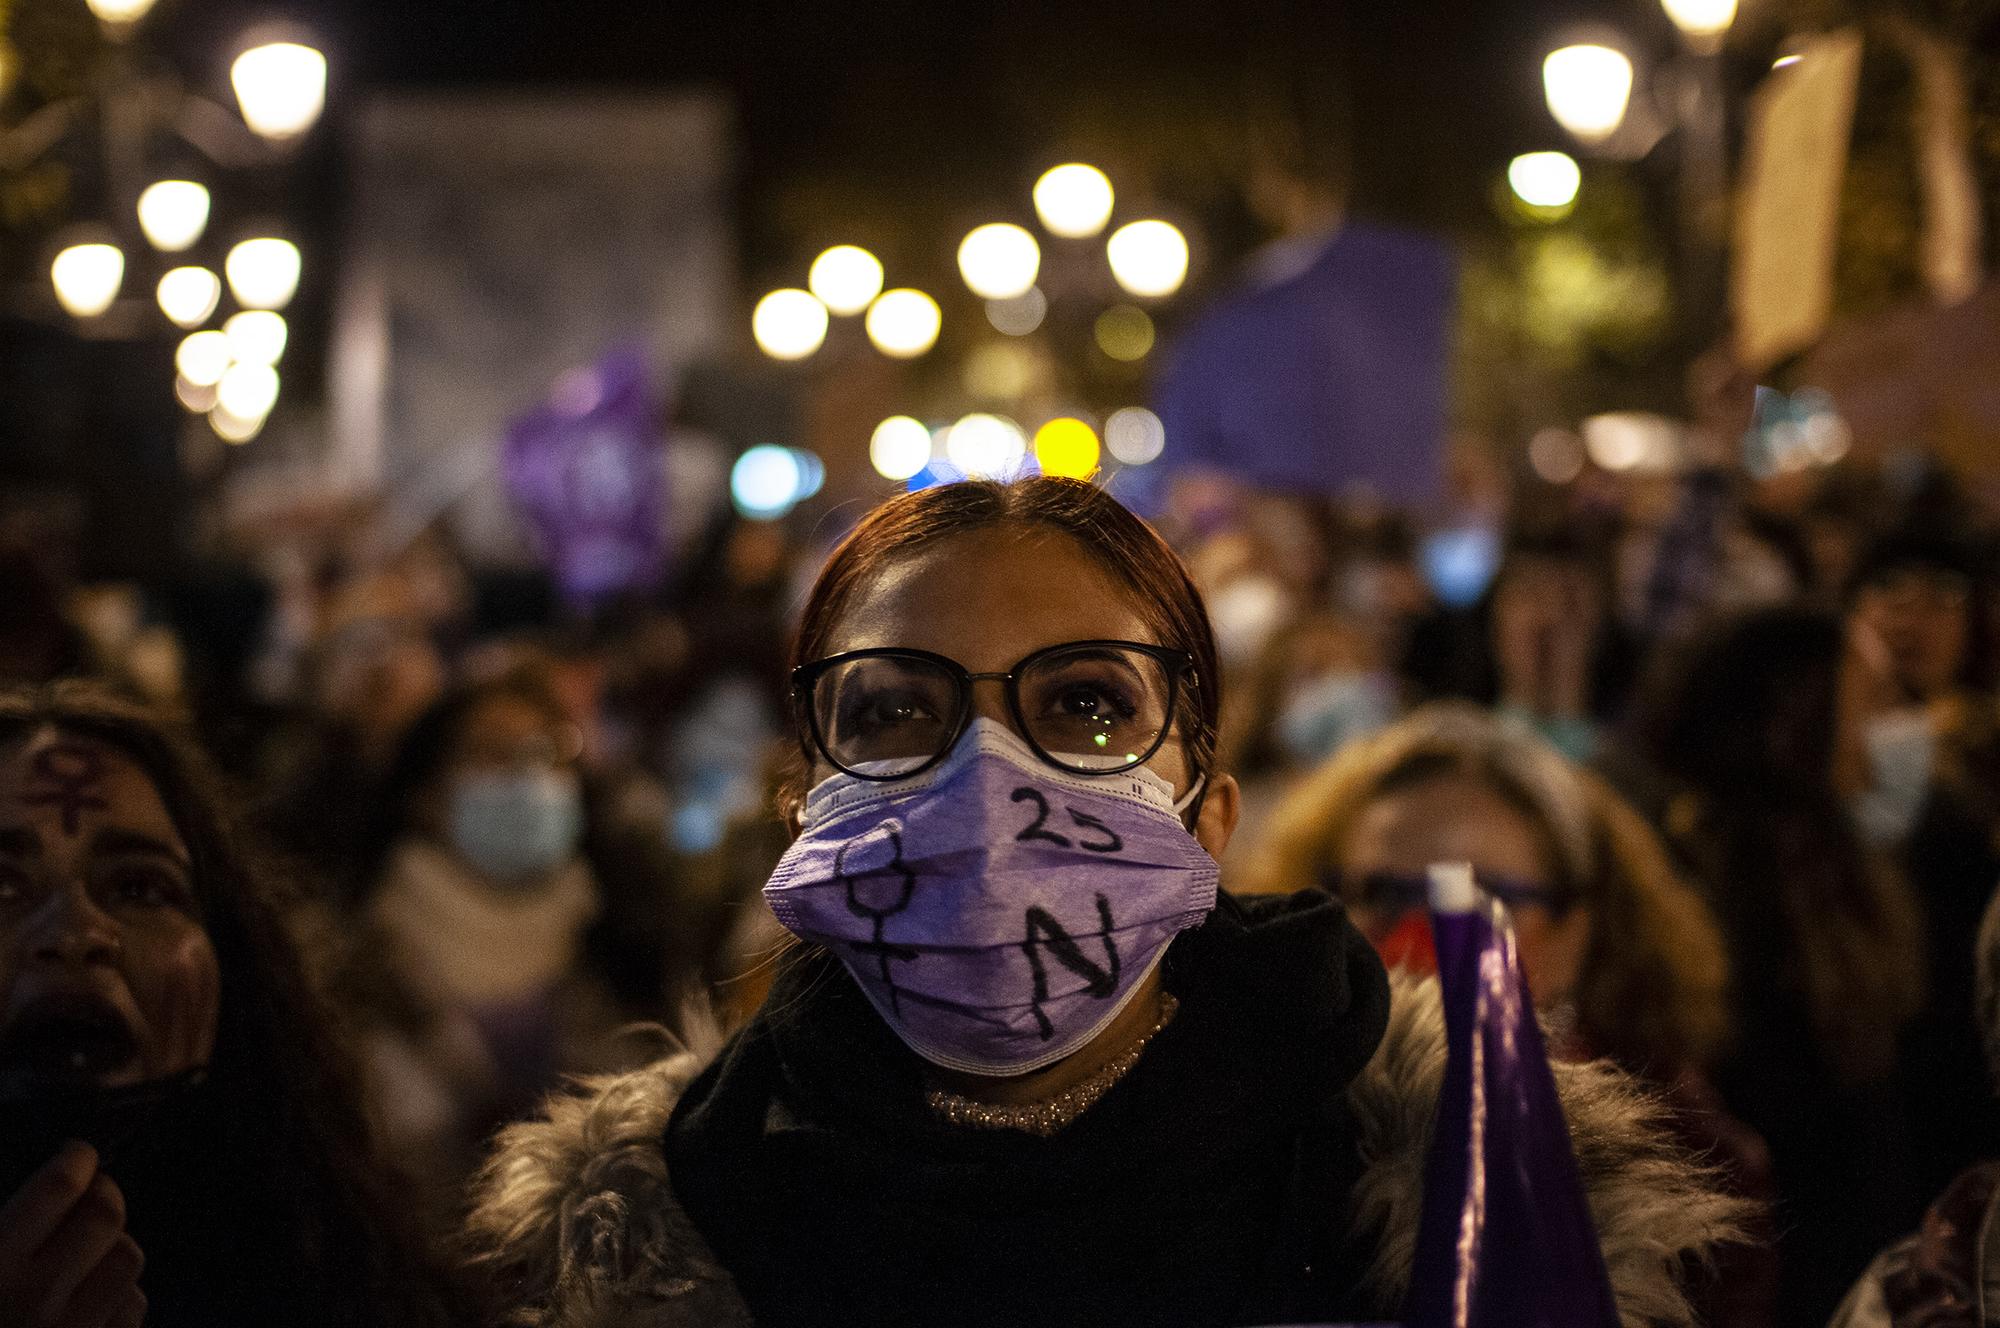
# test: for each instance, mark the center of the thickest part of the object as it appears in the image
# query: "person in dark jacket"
(1028, 1066)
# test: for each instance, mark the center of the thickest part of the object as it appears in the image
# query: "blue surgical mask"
(1328, 712)
(516, 827)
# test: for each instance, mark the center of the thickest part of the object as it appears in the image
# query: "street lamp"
(1588, 88)
(87, 278)
(281, 88)
(1702, 22)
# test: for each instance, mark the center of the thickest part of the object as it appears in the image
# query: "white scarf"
(467, 943)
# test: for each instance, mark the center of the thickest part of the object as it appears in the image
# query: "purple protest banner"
(1506, 1237)
(584, 469)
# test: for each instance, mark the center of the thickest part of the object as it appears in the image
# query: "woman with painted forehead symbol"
(178, 1143)
(1029, 1065)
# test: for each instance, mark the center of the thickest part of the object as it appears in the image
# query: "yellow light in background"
(188, 295)
(6, 68)
(280, 87)
(1135, 435)
(263, 273)
(232, 428)
(1002, 371)
(173, 214)
(117, 12)
(989, 446)
(1067, 447)
(1149, 258)
(1125, 333)
(1587, 88)
(899, 447)
(247, 391)
(1545, 181)
(1019, 316)
(255, 336)
(999, 260)
(87, 277)
(1787, 60)
(197, 397)
(1701, 19)
(846, 278)
(203, 358)
(904, 323)
(789, 324)
(1073, 200)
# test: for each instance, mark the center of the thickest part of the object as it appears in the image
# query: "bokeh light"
(1073, 200)
(899, 447)
(1002, 371)
(188, 295)
(1149, 258)
(173, 214)
(1545, 181)
(233, 428)
(1019, 316)
(1556, 455)
(1125, 333)
(203, 358)
(280, 87)
(1135, 436)
(1701, 18)
(197, 397)
(989, 446)
(789, 324)
(120, 11)
(87, 278)
(767, 482)
(248, 391)
(263, 273)
(904, 323)
(846, 278)
(1067, 446)
(999, 260)
(255, 336)
(1588, 88)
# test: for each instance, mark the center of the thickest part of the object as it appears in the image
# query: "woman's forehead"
(986, 598)
(76, 783)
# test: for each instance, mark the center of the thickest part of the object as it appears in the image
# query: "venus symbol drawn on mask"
(858, 878)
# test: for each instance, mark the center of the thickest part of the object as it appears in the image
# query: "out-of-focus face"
(1400, 835)
(107, 973)
(1923, 617)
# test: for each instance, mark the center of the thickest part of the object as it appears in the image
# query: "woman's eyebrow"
(113, 839)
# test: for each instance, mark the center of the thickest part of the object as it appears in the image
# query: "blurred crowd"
(1728, 748)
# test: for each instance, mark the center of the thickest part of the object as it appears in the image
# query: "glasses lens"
(1096, 708)
(885, 715)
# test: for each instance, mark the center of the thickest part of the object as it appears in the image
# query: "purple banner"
(1325, 373)
(584, 469)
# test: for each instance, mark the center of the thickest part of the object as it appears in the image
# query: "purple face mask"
(998, 912)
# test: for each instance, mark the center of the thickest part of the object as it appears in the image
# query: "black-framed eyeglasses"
(1089, 707)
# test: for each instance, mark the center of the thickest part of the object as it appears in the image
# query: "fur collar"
(576, 1220)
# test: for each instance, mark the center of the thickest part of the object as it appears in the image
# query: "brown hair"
(1128, 549)
(1652, 990)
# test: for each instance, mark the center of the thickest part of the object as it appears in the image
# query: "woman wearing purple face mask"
(1029, 1066)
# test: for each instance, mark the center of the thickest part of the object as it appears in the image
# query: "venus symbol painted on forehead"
(67, 776)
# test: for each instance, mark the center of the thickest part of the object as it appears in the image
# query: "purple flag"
(584, 468)
(1506, 1238)
(1325, 372)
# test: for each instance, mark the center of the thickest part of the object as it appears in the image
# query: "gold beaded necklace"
(1046, 1117)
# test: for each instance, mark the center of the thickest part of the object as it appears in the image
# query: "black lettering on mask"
(1037, 829)
(1045, 932)
(882, 950)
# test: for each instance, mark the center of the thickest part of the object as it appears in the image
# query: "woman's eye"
(148, 889)
(889, 710)
(1090, 700)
